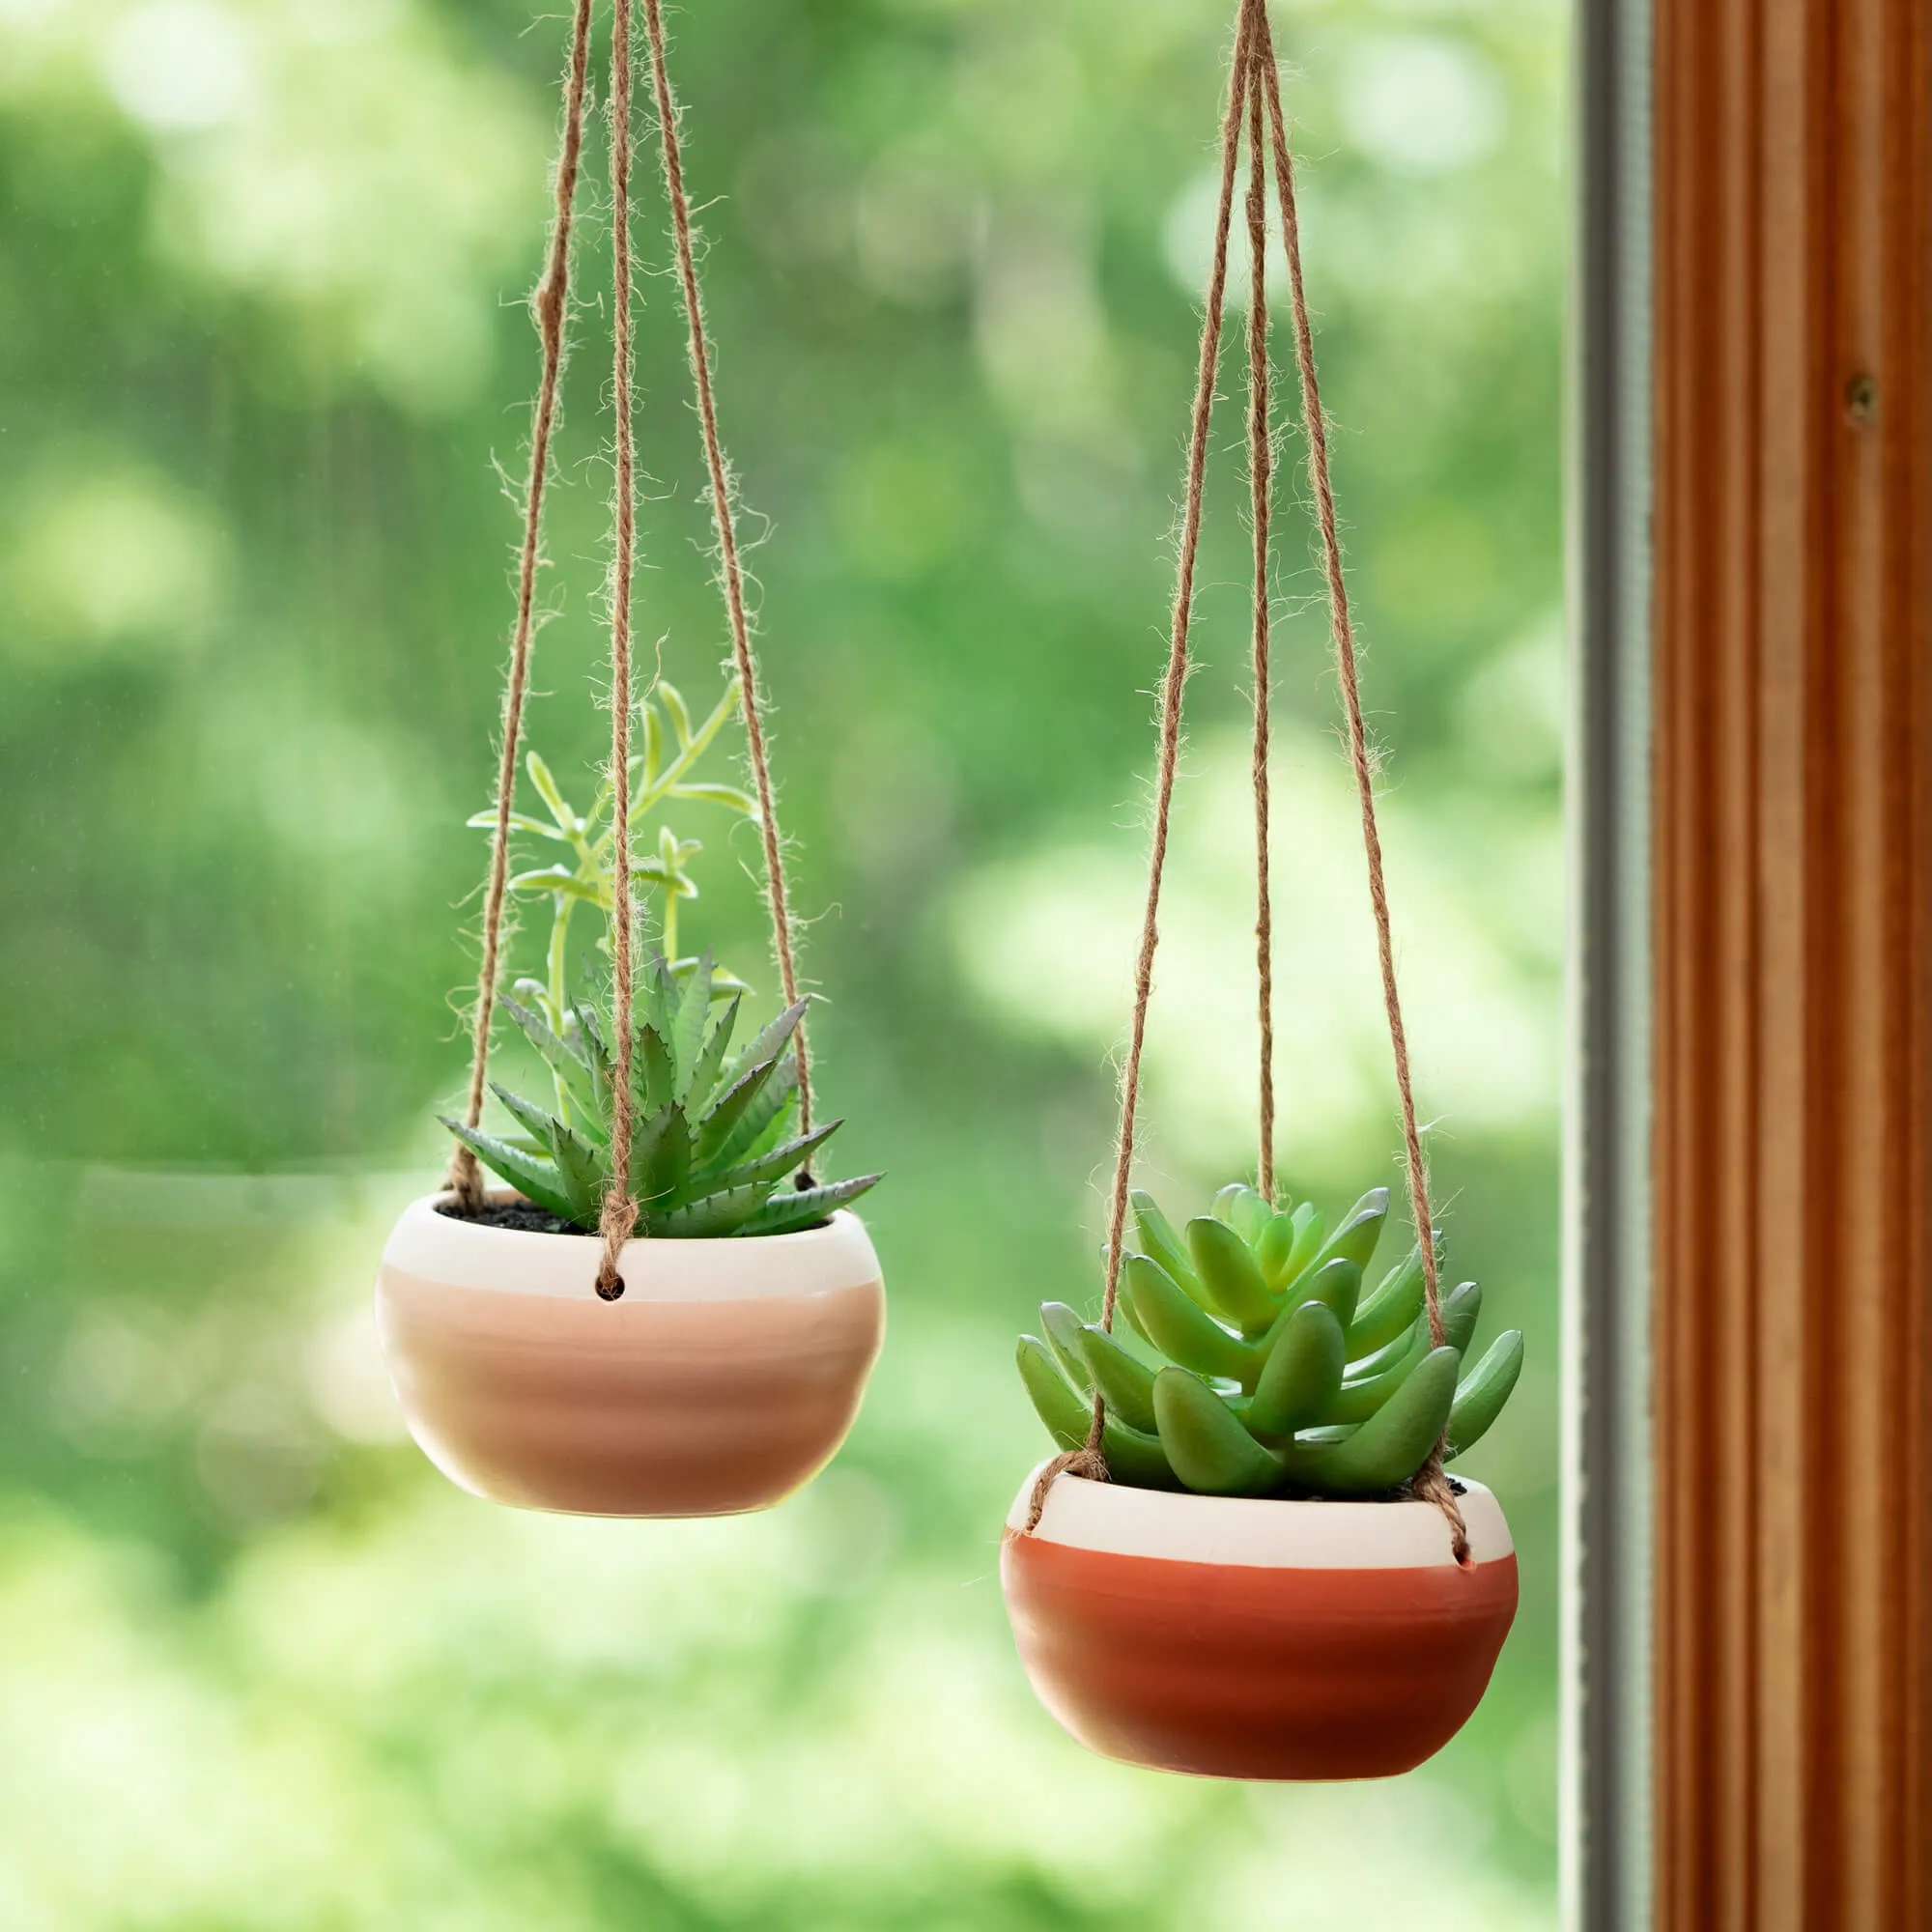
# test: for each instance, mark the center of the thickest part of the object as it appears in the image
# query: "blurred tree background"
(264, 359)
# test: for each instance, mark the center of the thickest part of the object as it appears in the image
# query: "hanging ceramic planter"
(662, 1312)
(723, 1379)
(1248, 1559)
(1234, 1636)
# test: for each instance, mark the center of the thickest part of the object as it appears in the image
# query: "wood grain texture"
(1792, 741)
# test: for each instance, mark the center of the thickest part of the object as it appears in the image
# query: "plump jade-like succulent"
(711, 1141)
(1248, 1362)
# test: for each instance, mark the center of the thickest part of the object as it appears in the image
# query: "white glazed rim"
(514, 1260)
(1258, 1532)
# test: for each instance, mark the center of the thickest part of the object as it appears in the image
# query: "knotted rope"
(730, 573)
(1255, 84)
(620, 1207)
(549, 306)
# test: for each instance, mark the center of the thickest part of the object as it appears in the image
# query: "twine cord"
(549, 305)
(1088, 1460)
(620, 1207)
(550, 308)
(1261, 461)
(1255, 86)
(1430, 1484)
(730, 571)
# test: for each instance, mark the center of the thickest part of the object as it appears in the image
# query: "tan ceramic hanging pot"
(1234, 1636)
(725, 1375)
(695, 1337)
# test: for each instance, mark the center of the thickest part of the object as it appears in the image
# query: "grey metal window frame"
(1606, 1398)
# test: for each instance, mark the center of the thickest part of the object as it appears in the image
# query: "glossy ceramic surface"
(1233, 1637)
(726, 1377)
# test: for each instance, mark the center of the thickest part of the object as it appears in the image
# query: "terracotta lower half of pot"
(1233, 1637)
(721, 1381)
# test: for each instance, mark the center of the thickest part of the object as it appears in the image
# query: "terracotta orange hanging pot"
(1248, 1560)
(1236, 1636)
(661, 1312)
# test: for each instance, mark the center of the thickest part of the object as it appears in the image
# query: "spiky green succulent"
(712, 1145)
(1246, 1360)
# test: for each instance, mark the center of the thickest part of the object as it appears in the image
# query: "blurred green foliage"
(262, 335)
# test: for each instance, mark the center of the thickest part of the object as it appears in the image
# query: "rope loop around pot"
(1254, 96)
(549, 306)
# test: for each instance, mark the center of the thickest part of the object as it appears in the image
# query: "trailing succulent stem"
(664, 770)
(1249, 1362)
(713, 1142)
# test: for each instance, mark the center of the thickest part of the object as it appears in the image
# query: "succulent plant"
(1248, 1361)
(712, 1142)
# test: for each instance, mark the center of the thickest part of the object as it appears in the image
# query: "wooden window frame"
(1748, 1182)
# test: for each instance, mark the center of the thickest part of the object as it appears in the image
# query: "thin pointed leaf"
(562, 880)
(741, 802)
(653, 744)
(536, 1181)
(673, 703)
(540, 777)
(786, 1213)
(520, 821)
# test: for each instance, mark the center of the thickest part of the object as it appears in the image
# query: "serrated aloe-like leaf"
(776, 1098)
(661, 1159)
(724, 1211)
(786, 1213)
(582, 1084)
(703, 1080)
(653, 1070)
(536, 1121)
(688, 1022)
(587, 1175)
(775, 1165)
(715, 1130)
(536, 1181)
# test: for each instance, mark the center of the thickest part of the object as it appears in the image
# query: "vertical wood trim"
(1793, 185)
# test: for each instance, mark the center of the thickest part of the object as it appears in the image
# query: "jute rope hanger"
(550, 309)
(1255, 87)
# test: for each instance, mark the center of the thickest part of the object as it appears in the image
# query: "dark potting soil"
(519, 1215)
(523, 1218)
